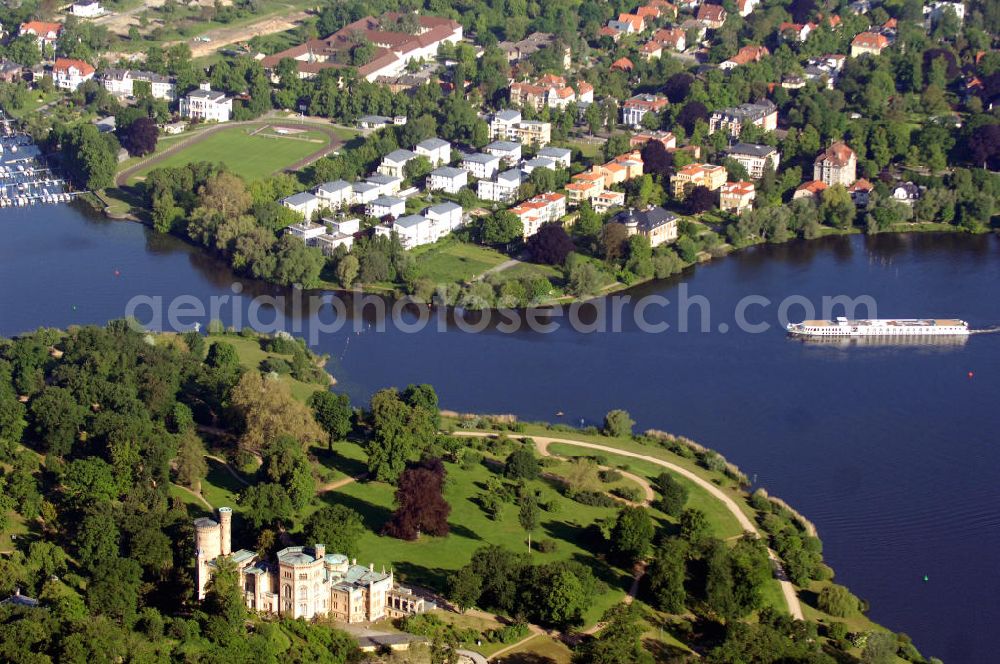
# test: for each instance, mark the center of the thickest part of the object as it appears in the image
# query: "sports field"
(253, 152)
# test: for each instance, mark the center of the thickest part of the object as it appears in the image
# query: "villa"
(437, 151)
(447, 179)
(207, 105)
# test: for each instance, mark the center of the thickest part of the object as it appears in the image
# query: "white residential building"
(538, 162)
(447, 179)
(394, 162)
(121, 82)
(508, 151)
(70, 74)
(447, 217)
(336, 194)
(504, 188)
(207, 105)
(481, 165)
(562, 156)
(87, 9)
(365, 192)
(437, 150)
(430, 226)
(387, 206)
(754, 157)
(304, 203)
(306, 231)
(388, 185)
(341, 234)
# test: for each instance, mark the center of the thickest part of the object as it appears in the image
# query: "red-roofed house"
(648, 12)
(69, 73)
(746, 7)
(861, 192)
(542, 209)
(634, 109)
(810, 190)
(651, 50)
(629, 23)
(868, 42)
(550, 91)
(607, 31)
(622, 64)
(836, 165)
(667, 138)
(736, 196)
(675, 38)
(697, 175)
(797, 31)
(745, 56)
(711, 16)
(46, 33)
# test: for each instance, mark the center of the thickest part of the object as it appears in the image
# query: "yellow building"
(697, 175)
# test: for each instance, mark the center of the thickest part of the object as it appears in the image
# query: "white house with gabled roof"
(437, 151)
(447, 179)
(336, 194)
(481, 165)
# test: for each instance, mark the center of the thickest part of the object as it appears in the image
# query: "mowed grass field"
(453, 261)
(250, 155)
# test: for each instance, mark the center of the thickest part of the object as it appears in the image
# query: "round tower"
(207, 546)
(225, 536)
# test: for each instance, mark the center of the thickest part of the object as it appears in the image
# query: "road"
(787, 589)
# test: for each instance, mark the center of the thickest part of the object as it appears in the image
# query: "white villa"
(387, 206)
(394, 162)
(508, 151)
(481, 165)
(447, 179)
(336, 194)
(121, 82)
(437, 150)
(207, 105)
(502, 189)
(429, 226)
(304, 203)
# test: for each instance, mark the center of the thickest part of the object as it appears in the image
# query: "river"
(890, 450)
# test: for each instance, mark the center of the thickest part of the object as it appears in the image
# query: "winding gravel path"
(787, 589)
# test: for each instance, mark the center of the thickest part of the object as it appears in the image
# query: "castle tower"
(320, 551)
(207, 547)
(226, 523)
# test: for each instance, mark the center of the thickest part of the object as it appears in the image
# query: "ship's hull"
(897, 328)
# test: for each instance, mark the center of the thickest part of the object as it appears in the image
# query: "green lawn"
(541, 648)
(17, 526)
(251, 355)
(429, 560)
(452, 261)
(251, 156)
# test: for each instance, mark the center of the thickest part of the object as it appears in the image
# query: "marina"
(25, 177)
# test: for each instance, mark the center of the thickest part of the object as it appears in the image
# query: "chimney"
(226, 530)
(371, 567)
(319, 550)
(206, 86)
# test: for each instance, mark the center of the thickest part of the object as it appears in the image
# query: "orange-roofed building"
(745, 56)
(736, 196)
(798, 31)
(666, 138)
(648, 12)
(69, 74)
(711, 16)
(631, 23)
(810, 189)
(651, 50)
(46, 33)
(868, 43)
(836, 165)
(542, 209)
(622, 64)
(745, 7)
(697, 175)
(550, 91)
(675, 38)
(607, 31)
(636, 108)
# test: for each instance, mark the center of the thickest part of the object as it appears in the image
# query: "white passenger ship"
(900, 327)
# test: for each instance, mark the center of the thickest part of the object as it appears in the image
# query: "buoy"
(926, 578)
(971, 374)
(118, 273)
(559, 414)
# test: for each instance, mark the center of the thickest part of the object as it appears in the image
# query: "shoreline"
(724, 250)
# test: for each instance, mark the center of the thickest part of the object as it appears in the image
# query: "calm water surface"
(891, 450)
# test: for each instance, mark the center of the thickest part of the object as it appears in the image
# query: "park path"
(499, 268)
(787, 589)
(336, 484)
(225, 464)
(123, 176)
(196, 494)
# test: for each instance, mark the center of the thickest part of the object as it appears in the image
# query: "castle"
(304, 582)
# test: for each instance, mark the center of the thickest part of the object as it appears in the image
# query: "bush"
(546, 545)
(471, 459)
(630, 493)
(838, 601)
(593, 499)
(618, 423)
(610, 476)
(509, 634)
(837, 631)
(276, 365)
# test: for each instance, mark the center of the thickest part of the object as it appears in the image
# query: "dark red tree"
(677, 87)
(700, 199)
(984, 146)
(420, 504)
(141, 136)
(550, 245)
(656, 159)
(691, 113)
